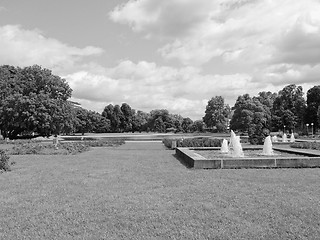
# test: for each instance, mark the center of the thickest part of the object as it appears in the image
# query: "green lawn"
(141, 191)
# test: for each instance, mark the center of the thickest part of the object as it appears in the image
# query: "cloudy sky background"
(172, 54)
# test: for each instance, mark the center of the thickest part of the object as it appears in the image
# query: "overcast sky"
(171, 54)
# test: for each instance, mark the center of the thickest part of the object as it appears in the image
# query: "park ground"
(140, 190)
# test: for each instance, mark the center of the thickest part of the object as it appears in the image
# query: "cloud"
(223, 47)
(162, 18)
(300, 44)
(262, 32)
(146, 86)
(27, 47)
(266, 44)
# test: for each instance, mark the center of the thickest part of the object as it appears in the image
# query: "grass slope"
(140, 191)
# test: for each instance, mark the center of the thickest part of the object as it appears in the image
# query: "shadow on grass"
(181, 161)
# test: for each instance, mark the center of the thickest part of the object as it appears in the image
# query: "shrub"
(105, 143)
(30, 147)
(40, 148)
(26, 148)
(306, 145)
(4, 161)
(74, 147)
(193, 142)
(79, 138)
(256, 139)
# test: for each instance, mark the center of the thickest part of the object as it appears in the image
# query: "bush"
(306, 145)
(74, 147)
(48, 149)
(256, 139)
(26, 148)
(30, 147)
(105, 143)
(4, 161)
(193, 142)
(79, 138)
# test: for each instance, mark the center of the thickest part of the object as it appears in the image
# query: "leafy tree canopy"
(32, 99)
(313, 104)
(289, 108)
(217, 114)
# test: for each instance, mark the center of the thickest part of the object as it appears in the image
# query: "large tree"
(243, 113)
(32, 99)
(198, 126)
(313, 103)
(251, 116)
(140, 121)
(217, 114)
(114, 115)
(160, 120)
(126, 121)
(289, 108)
(186, 124)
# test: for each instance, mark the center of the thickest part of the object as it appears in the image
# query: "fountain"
(224, 146)
(235, 145)
(284, 138)
(267, 147)
(277, 157)
(292, 139)
(274, 139)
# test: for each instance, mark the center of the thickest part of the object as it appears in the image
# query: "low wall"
(197, 161)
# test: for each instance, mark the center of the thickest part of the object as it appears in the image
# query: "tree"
(217, 114)
(313, 103)
(99, 124)
(114, 115)
(140, 121)
(198, 126)
(289, 108)
(243, 113)
(90, 121)
(267, 99)
(126, 120)
(186, 125)
(82, 124)
(160, 120)
(177, 122)
(251, 116)
(33, 100)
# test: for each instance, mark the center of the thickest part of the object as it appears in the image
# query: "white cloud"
(27, 47)
(270, 43)
(162, 18)
(300, 44)
(264, 34)
(146, 86)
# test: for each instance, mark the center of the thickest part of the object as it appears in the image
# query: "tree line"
(33, 100)
(285, 111)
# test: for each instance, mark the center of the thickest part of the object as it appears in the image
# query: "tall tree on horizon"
(217, 114)
(313, 104)
(289, 108)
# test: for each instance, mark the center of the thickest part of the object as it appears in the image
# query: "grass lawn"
(141, 191)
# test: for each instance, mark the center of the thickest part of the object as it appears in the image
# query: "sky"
(168, 54)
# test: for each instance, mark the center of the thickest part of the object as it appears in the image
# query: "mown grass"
(141, 191)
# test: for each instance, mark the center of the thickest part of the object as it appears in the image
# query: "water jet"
(224, 146)
(267, 147)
